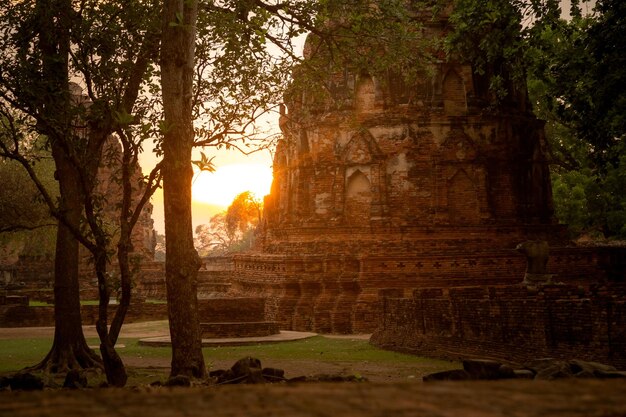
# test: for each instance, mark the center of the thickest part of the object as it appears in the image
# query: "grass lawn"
(19, 353)
(149, 363)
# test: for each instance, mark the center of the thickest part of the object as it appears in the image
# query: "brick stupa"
(400, 187)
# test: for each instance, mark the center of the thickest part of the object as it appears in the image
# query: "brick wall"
(220, 310)
(337, 293)
(512, 323)
(24, 316)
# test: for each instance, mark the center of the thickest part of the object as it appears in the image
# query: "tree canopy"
(576, 74)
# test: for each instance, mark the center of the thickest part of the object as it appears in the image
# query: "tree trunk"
(69, 350)
(182, 261)
(113, 365)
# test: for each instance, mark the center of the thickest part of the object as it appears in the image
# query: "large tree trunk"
(182, 261)
(69, 350)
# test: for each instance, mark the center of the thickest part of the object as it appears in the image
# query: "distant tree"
(243, 216)
(159, 249)
(233, 229)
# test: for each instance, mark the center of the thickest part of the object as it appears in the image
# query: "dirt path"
(130, 330)
(467, 399)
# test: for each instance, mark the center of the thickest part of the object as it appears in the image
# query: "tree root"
(61, 360)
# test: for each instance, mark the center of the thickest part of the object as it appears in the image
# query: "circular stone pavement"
(283, 336)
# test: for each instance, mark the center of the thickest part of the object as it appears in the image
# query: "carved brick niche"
(426, 177)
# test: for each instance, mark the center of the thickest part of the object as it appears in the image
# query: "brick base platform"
(242, 329)
(513, 323)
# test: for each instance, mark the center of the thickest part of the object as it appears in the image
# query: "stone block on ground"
(452, 375)
(178, 381)
(24, 382)
(482, 368)
(524, 374)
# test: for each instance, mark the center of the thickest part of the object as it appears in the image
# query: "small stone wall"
(234, 317)
(25, 316)
(244, 329)
(225, 310)
(512, 323)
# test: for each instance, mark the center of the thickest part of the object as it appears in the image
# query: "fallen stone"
(578, 366)
(248, 370)
(557, 370)
(506, 372)
(584, 374)
(610, 374)
(217, 373)
(75, 379)
(228, 377)
(482, 368)
(25, 382)
(4, 383)
(273, 374)
(178, 381)
(452, 375)
(524, 374)
(539, 364)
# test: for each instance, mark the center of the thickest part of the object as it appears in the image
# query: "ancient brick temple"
(400, 187)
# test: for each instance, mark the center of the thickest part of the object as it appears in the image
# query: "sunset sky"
(213, 192)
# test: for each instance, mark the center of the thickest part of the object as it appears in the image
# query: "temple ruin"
(385, 187)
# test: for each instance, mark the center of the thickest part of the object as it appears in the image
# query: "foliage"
(21, 207)
(576, 71)
(232, 230)
(488, 34)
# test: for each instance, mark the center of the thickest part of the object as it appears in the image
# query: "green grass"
(35, 303)
(19, 353)
(151, 301)
(315, 348)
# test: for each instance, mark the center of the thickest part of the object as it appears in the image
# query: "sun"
(223, 185)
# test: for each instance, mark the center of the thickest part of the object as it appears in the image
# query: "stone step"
(239, 329)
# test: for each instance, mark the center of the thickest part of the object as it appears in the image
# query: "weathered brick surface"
(219, 310)
(243, 329)
(339, 293)
(383, 185)
(512, 323)
(25, 316)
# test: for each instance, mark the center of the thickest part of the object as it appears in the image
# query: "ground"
(305, 360)
(395, 389)
(452, 399)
